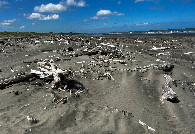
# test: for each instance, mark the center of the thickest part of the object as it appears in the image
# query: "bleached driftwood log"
(48, 69)
(106, 74)
(15, 79)
(167, 91)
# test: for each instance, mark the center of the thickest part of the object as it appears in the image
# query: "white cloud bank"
(142, 24)
(103, 14)
(57, 8)
(8, 23)
(38, 16)
(99, 18)
(22, 27)
(108, 12)
(11, 24)
(80, 3)
(53, 8)
(136, 1)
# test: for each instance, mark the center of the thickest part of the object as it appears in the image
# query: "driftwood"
(167, 91)
(167, 67)
(45, 70)
(15, 79)
(31, 119)
(107, 74)
(48, 69)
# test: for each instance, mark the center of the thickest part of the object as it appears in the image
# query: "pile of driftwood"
(46, 70)
(167, 91)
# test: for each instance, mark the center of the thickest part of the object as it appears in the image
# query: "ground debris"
(167, 91)
(16, 79)
(167, 67)
(31, 119)
(144, 124)
(48, 69)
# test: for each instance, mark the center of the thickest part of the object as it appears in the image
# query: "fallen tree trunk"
(15, 79)
(46, 70)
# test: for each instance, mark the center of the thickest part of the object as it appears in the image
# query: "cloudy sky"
(95, 15)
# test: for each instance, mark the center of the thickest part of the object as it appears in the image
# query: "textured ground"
(129, 104)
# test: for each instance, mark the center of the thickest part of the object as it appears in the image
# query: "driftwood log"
(15, 79)
(167, 91)
(46, 69)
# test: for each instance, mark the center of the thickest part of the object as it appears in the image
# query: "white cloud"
(38, 16)
(108, 12)
(80, 3)
(22, 27)
(117, 13)
(86, 20)
(51, 17)
(119, 2)
(11, 24)
(136, 1)
(98, 18)
(53, 8)
(3, 3)
(10, 21)
(104, 13)
(142, 24)
(7, 23)
(56, 8)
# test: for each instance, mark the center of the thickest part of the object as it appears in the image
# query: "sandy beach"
(117, 84)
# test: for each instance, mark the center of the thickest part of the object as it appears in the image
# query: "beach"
(119, 84)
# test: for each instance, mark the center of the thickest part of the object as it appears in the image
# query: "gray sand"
(129, 104)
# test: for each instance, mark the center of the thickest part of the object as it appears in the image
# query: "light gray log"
(15, 79)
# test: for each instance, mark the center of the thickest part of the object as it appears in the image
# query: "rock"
(2, 42)
(70, 49)
(16, 93)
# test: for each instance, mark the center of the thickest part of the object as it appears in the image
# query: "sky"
(95, 16)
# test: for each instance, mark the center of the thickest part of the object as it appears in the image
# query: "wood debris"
(48, 69)
(167, 91)
(15, 79)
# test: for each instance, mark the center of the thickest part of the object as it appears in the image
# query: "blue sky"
(95, 15)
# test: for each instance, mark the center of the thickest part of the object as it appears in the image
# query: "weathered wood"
(167, 91)
(48, 69)
(15, 79)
